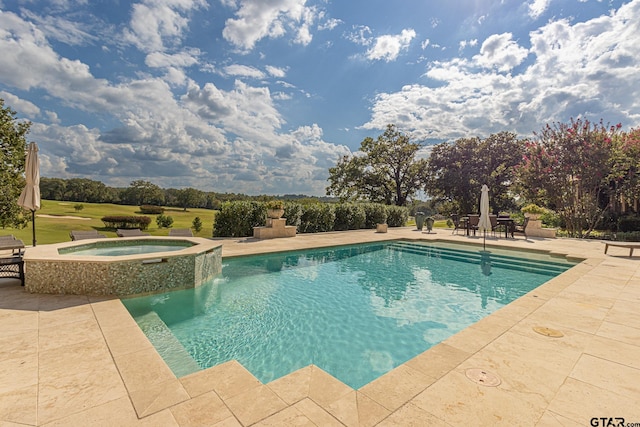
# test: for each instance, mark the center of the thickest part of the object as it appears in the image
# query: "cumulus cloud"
(388, 47)
(538, 7)
(256, 19)
(583, 69)
(243, 71)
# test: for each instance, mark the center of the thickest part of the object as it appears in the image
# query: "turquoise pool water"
(124, 247)
(356, 312)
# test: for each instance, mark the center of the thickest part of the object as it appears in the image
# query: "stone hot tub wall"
(46, 271)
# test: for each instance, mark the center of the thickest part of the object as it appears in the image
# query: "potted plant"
(532, 211)
(275, 209)
(429, 223)
(420, 216)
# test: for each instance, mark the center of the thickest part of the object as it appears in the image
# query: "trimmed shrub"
(237, 219)
(123, 221)
(316, 218)
(293, 213)
(375, 214)
(629, 223)
(151, 210)
(397, 216)
(164, 221)
(349, 216)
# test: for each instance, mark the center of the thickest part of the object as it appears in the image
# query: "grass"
(55, 229)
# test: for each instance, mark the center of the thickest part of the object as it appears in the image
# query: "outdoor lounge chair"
(9, 242)
(130, 232)
(472, 225)
(520, 228)
(180, 232)
(85, 234)
(455, 218)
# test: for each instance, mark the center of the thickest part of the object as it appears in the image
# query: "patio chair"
(472, 225)
(180, 232)
(455, 218)
(130, 232)
(494, 224)
(520, 228)
(85, 234)
(9, 242)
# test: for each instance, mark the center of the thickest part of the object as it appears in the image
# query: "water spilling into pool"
(356, 312)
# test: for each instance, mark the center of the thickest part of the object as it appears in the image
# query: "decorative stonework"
(276, 227)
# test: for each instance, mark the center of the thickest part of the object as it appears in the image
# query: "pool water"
(356, 312)
(120, 248)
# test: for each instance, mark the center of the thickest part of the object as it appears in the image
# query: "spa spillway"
(122, 266)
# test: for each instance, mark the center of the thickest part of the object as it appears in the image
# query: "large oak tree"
(385, 170)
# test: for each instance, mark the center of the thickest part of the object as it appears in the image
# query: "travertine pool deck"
(82, 361)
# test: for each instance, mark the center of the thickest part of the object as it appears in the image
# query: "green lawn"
(56, 229)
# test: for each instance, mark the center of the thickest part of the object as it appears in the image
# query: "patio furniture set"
(469, 224)
(12, 265)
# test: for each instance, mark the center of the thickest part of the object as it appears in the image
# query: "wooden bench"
(630, 245)
(12, 266)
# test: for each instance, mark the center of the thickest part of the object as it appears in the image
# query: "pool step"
(475, 257)
(174, 354)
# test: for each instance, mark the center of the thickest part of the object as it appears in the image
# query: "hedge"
(316, 218)
(397, 216)
(122, 221)
(349, 216)
(237, 219)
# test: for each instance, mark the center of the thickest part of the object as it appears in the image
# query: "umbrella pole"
(33, 222)
(484, 240)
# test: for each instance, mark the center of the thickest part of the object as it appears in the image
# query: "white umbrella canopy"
(30, 196)
(484, 223)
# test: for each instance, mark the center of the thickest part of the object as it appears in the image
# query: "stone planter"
(532, 216)
(429, 223)
(275, 213)
(420, 217)
(381, 228)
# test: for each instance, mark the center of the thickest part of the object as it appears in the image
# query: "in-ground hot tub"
(122, 266)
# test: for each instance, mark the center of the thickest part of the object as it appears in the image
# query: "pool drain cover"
(548, 332)
(483, 377)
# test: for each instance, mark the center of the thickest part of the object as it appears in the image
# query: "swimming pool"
(356, 311)
(121, 247)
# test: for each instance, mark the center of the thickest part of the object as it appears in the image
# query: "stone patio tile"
(289, 417)
(85, 329)
(127, 339)
(570, 314)
(293, 387)
(397, 387)
(49, 303)
(551, 419)
(203, 410)
(17, 321)
(438, 360)
(571, 338)
(324, 389)
(459, 401)
(19, 405)
(61, 396)
(82, 356)
(316, 414)
(157, 397)
(142, 369)
(255, 404)
(615, 351)
(17, 344)
(227, 380)
(112, 314)
(471, 339)
(18, 372)
(607, 375)
(623, 333)
(117, 412)
(411, 415)
(518, 308)
(624, 313)
(580, 402)
(63, 316)
(356, 409)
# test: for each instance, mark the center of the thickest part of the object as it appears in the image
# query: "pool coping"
(583, 303)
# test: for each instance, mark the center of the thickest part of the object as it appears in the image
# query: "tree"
(12, 162)
(568, 169)
(190, 198)
(457, 171)
(386, 170)
(143, 193)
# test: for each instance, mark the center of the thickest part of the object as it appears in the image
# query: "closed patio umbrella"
(484, 223)
(30, 196)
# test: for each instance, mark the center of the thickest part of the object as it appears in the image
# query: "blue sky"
(262, 97)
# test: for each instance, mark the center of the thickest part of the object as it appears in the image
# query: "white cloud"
(243, 71)
(154, 23)
(587, 69)
(275, 71)
(388, 47)
(330, 24)
(185, 58)
(500, 52)
(25, 108)
(538, 7)
(256, 19)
